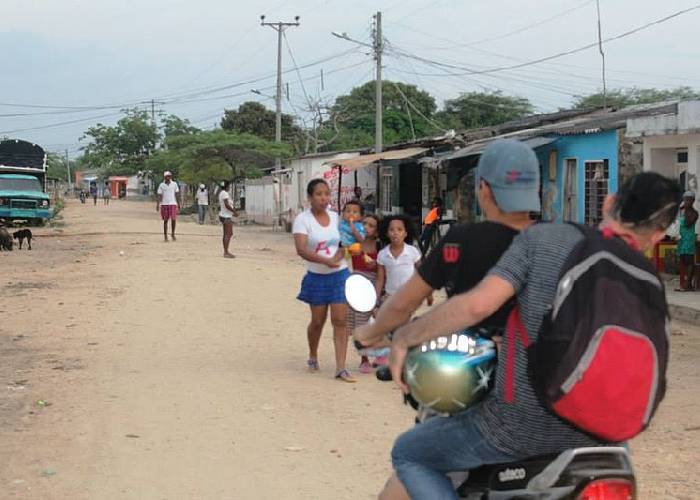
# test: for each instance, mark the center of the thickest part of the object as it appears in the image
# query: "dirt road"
(168, 372)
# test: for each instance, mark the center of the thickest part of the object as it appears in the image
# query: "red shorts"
(168, 212)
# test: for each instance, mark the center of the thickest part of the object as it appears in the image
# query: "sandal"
(345, 376)
(312, 365)
(365, 366)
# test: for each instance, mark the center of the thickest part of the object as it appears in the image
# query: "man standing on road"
(226, 214)
(202, 203)
(168, 203)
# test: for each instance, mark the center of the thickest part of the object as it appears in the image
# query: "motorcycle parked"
(595, 473)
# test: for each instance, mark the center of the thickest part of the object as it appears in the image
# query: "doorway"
(570, 189)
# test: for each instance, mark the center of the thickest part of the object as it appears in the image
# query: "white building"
(672, 144)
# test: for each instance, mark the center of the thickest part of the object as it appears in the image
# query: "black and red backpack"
(600, 359)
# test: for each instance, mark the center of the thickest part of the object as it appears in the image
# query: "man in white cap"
(202, 203)
(168, 203)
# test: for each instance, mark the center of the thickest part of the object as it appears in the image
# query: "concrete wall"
(660, 156)
(582, 147)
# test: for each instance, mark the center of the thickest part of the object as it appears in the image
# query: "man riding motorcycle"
(496, 430)
(469, 251)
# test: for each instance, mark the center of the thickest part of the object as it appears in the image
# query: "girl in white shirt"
(317, 241)
(396, 261)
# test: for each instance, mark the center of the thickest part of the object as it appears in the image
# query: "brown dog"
(5, 240)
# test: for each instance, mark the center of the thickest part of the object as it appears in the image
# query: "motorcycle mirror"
(360, 293)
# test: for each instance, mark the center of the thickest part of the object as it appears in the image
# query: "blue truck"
(23, 183)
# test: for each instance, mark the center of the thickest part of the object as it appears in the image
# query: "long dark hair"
(407, 223)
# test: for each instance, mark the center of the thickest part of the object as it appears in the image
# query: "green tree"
(619, 98)
(483, 109)
(407, 114)
(210, 156)
(56, 167)
(254, 118)
(123, 148)
(174, 125)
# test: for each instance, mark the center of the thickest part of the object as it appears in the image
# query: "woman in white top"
(226, 214)
(317, 241)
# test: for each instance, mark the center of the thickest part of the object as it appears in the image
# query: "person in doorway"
(226, 214)
(431, 224)
(317, 241)
(202, 203)
(687, 243)
(168, 203)
(106, 193)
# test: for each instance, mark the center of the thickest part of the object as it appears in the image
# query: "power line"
(433, 123)
(510, 33)
(296, 68)
(59, 124)
(470, 71)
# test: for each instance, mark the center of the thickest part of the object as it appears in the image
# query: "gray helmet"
(450, 374)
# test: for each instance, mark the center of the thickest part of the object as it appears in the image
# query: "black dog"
(21, 235)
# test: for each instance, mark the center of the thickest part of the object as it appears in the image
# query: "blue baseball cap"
(513, 172)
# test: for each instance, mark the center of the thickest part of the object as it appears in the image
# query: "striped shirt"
(524, 427)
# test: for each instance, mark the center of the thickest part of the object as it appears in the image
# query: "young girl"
(365, 263)
(397, 261)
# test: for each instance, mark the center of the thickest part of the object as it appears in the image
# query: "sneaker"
(365, 367)
(312, 365)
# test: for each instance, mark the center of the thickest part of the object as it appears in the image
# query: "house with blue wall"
(583, 158)
(578, 172)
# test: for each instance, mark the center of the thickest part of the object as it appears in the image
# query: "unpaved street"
(169, 372)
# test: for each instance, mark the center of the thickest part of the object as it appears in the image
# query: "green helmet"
(449, 374)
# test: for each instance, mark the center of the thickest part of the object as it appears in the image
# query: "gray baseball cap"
(513, 172)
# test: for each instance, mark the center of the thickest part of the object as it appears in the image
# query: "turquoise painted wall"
(582, 147)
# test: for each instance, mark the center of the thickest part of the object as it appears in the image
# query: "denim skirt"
(323, 289)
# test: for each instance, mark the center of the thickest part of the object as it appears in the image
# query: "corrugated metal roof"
(365, 160)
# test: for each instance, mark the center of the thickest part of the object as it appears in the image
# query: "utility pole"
(378, 49)
(602, 55)
(279, 27)
(70, 181)
(153, 111)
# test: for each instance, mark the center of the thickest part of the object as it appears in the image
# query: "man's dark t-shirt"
(462, 259)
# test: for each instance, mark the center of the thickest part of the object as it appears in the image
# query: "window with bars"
(386, 189)
(596, 186)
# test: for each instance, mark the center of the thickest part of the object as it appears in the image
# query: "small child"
(351, 228)
(397, 261)
(365, 263)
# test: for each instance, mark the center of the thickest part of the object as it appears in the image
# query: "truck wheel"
(38, 222)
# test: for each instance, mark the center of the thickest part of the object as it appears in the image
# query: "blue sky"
(108, 53)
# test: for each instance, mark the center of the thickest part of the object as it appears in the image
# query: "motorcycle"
(595, 473)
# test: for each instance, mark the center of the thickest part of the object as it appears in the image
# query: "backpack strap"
(514, 327)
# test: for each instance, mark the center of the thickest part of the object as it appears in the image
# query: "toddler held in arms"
(352, 231)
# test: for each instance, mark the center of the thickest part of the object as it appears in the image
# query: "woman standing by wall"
(317, 241)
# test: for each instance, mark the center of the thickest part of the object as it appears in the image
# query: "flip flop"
(345, 376)
(312, 365)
